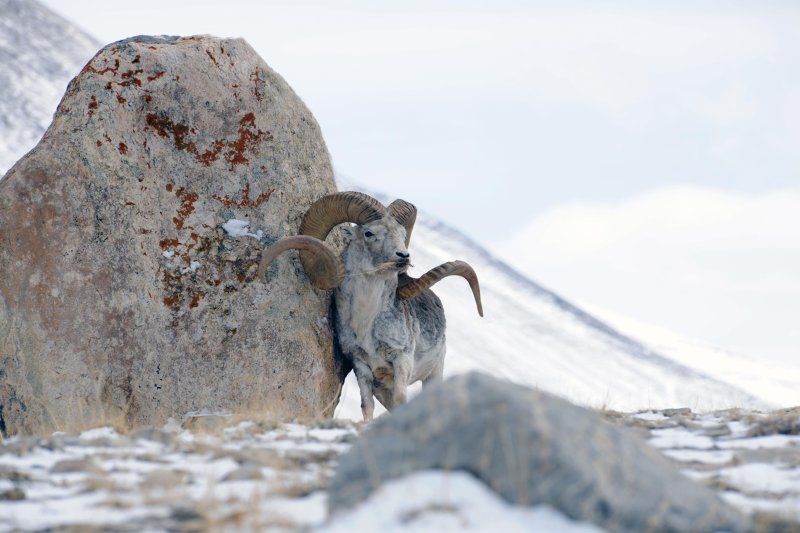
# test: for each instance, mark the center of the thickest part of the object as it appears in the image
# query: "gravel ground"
(751, 458)
(224, 473)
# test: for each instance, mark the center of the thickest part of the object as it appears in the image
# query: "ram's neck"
(361, 297)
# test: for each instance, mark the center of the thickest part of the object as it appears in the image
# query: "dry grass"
(78, 415)
(772, 523)
(71, 415)
(780, 422)
(94, 408)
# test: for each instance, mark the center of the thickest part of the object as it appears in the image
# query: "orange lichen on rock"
(248, 139)
(164, 126)
(92, 105)
(129, 77)
(90, 68)
(188, 200)
(166, 244)
(227, 201)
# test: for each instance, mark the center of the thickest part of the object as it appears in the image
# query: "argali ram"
(390, 325)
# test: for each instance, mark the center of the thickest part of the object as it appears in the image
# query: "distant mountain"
(39, 53)
(532, 336)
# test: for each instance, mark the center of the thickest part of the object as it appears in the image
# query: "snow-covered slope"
(532, 336)
(39, 53)
(777, 384)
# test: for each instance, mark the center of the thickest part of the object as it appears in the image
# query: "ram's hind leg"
(403, 367)
(365, 380)
(436, 374)
(386, 397)
(435, 362)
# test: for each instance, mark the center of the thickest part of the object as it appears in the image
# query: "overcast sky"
(637, 156)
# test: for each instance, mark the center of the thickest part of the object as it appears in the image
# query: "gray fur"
(391, 342)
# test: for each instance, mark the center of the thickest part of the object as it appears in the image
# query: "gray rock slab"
(122, 298)
(531, 448)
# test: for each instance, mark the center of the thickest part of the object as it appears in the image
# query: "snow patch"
(712, 457)
(99, 433)
(193, 266)
(768, 441)
(434, 500)
(679, 438)
(651, 416)
(763, 478)
(240, 228)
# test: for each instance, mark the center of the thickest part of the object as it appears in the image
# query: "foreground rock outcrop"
(121, 295)
(531, 448)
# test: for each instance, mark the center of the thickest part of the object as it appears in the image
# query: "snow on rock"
(193, 266)
(240, 228)
(433, 500)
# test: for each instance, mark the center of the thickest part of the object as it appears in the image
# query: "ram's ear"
(348, 233)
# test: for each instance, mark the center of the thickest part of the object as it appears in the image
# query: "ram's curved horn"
(325, 214)
(326, 270)
(337, 208)
(406, 214)
(410, 287)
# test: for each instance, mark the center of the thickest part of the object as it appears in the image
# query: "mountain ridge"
(40, 51)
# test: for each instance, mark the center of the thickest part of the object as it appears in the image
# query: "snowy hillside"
(39, 53)
(775, 384)
(532, 336)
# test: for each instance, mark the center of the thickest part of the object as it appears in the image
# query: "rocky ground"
(225, 473)
(751, 458)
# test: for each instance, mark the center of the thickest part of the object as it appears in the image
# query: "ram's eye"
(368, 234)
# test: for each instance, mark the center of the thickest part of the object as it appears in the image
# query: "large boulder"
(122, 297)
(531, 448)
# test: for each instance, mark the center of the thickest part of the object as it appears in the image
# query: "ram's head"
(379, 241)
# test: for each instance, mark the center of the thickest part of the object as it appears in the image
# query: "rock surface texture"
(121, 294)
(531, 448)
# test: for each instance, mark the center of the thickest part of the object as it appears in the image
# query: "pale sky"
(637, 156)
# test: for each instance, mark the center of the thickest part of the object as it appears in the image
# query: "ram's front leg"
(365, 381)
